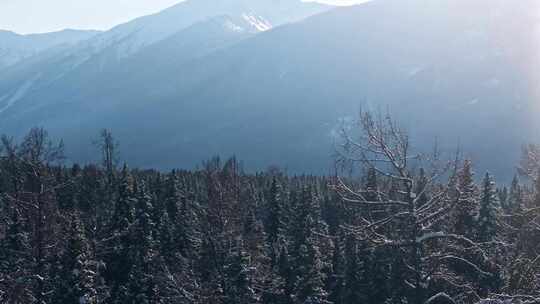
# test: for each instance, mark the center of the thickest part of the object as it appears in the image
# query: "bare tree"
(109, 152)
(33, 196)
(409, 214)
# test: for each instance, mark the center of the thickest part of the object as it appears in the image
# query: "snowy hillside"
(106, 51)
(144, 31)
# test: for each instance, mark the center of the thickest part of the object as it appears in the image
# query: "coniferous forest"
(390, 226)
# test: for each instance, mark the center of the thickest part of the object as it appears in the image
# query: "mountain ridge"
(15, 48)
(284, 91)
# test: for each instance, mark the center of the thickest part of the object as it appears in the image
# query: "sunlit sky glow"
(39, 16)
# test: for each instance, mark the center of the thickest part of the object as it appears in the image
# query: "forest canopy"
(411, 228)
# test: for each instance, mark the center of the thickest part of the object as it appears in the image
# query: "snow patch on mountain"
(19, 93)
(258, 22)
(263, 15)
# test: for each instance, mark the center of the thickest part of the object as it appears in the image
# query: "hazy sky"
(37, 16)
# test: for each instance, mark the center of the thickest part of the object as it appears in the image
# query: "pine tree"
(166, 237)
(287, 273)
(516, 211)
(123, 212)
(336, 277)
(240, 281)
(466, 208)
(16, 261)
(275, 225)
(307, 263)
(489, 211)
(186, 229)
(119, 259)
(210, 269)
(174, 196)
(355, 287)
(141, 286)
(143, 228)
(536, 200)
(515, 200)
(502, 195)
(310, 288)
(78, 273)
(377, 271)
(371, 186)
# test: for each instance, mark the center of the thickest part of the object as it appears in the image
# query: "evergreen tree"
(489, 211)
(310, 288)
(174, 197)
(239, 276)
(377, 271)
(515, 200)
(466, 208)
(141, 286)
(186, 229)
(355, 287)
(143, 228)
(516, 212)
(78, 274)
(275, 225)
(371, 186)
(118, 243)
(536, 200)
(210, 268)
(336, 277)
(502, 195)
(166, 238)
(287, 273)
(16, 279)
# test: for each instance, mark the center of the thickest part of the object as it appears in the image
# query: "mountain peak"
(147, 30)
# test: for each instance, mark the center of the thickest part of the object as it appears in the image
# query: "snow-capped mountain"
(237, 82)
(15, 48)
(130, 37)
(112, 50)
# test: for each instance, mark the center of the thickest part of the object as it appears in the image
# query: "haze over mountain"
(255, 79)
(15, 48)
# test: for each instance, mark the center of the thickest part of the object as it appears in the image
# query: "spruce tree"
(141, 286)
(210, 269)
(466, 208)
(536, 199)
(336, 277)
(489, 211)
(16, 261)
(355, 288)
(287, 273)
(310, 288)
(78, 273)
(515, 200)
(371, 186)
(275, 225)
(119, 258)
(240, 279)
